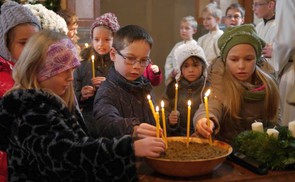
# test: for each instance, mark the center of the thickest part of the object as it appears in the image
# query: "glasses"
(233, 16)
(255, 5)
(131, 60)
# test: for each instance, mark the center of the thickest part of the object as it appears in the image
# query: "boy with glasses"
(265, 9)
(234, 15)
(120, 105)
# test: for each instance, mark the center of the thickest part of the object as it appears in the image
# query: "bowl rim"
(199, 140)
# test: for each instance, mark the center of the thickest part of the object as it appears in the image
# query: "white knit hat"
(13, 14)
(185, 51)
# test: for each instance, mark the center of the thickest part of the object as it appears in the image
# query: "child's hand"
(86, 92)
(145, 130)
(155, 68)
(149, 147)
(203, 129)
(267, 51)
(96, 82)
(173, 117)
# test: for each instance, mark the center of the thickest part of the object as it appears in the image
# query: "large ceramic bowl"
(188, 168)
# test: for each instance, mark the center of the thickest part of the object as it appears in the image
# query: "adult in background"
(284, 55)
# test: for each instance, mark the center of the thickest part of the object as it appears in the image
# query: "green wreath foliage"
(276, 154)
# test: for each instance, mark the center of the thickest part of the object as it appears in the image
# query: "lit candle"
(291, 127)
(207, 112)
(158, 121)
(152, 107)
(272, 132)
(93, 68)
(257, 126)
(164, 123)
(176, 97)
(86, 45)
(188, 122)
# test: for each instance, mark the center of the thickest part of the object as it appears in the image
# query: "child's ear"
(113, 54)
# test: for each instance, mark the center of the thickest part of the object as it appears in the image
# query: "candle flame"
(148, 97)
(176, 85)
(157, 109)
(162, 104)
(86, 45)
(92, 57)
(189, 103)
(208, 93)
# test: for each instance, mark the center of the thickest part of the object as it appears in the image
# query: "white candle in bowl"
(273, 132)
(291, 127)
(257, 126)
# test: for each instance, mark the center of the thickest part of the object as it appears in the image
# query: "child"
(17, 25)
(43, 138)
(188, 27)
(242, 92)
(102, 32)
(234, 15)
(211, 18)
(191, 84)
(265, 9)
(121, 103)
(72, 24)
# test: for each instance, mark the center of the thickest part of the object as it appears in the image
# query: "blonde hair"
(213, 10)
(191, 20)
(233, 88)
(26, 70)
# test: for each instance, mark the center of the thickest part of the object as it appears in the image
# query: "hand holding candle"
(188, 122)
(176, 97)
(207, 112)
(93, 67)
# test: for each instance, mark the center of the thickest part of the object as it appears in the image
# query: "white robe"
(209, 44)
(284, 50)
(266, 32)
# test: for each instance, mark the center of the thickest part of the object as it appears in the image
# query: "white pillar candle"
(291, 127)
(273, 133)
(257, 126)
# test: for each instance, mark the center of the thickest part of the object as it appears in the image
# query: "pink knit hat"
(108, 20)
(61, 56)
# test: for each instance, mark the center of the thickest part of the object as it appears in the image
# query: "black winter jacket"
(120, 105)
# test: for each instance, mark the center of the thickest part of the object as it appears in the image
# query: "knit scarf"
(254, 92)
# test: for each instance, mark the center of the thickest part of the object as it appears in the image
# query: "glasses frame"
(127, 61)
(256, 5)
(233, 16)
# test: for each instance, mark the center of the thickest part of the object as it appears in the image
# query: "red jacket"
(6, 82)
(154, 78)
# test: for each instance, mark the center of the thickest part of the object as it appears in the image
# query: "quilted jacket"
(44, 142)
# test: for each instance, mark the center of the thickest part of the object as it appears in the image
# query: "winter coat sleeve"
(108, 121)
(48, 141)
